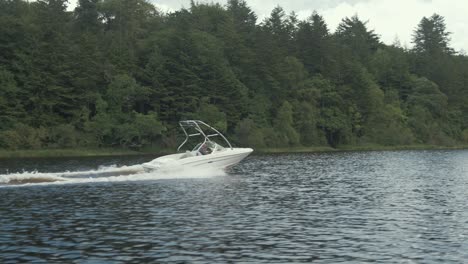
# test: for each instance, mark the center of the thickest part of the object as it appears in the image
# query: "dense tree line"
(120, 73)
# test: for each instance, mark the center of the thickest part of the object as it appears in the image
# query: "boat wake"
(103, 174)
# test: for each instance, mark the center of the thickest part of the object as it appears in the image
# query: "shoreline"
(357, 148)
(67, 153)
(70, 153)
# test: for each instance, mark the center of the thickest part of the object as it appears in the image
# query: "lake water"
(395, 207)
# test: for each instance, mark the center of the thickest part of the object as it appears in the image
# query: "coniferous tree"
(431, 36)
(352, 33)
(314, 43)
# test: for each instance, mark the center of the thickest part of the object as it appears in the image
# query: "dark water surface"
(397, 206)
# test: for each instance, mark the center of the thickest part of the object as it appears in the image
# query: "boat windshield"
(207, 147)
(218, 148)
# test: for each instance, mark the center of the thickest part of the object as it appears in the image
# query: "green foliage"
(307, 118)
(427, 94)
(119, 73)
(390, 68)
(23, 137)
(10, 107)
(390, 128)
(248, 134)
(335, 118)
(141, 130)
(211, 115)
(284, 129)
(63, 136)
(465, 136)
(124, 93)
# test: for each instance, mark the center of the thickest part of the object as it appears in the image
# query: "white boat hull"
(220, 160)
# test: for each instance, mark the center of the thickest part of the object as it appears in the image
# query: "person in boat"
(204, 150)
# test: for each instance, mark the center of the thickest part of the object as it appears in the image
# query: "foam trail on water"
(103, 171)
(29, 177)
(103, 174)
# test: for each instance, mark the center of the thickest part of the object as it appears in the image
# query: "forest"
(121, 74)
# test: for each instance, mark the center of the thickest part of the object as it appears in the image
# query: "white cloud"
(165, 8)
(72, 4)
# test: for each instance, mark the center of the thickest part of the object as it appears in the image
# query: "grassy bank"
(403, 147)
(46, 153)
(49, 153)
(357, 148)
(295, 150)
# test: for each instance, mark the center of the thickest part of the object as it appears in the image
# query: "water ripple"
(401, 206)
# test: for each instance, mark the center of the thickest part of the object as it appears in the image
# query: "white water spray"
(102, 174)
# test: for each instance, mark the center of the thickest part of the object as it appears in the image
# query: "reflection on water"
(401, 206)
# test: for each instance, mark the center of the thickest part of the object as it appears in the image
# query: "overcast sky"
(390, 19)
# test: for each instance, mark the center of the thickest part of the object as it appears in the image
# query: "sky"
(391, 19)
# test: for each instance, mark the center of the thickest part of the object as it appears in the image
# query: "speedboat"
(207, 154)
